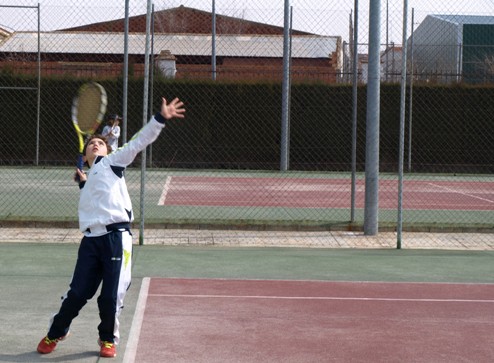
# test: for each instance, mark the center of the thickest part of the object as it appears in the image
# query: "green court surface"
(33, 277)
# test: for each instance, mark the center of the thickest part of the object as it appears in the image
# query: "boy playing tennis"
(105, 214)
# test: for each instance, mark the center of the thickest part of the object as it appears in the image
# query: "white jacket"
(104, 198)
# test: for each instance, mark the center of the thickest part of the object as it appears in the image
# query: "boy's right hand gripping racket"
(88, 110)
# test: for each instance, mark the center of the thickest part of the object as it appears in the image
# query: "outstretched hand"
(172, 109)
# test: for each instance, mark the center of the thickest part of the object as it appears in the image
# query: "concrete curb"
(250, 238)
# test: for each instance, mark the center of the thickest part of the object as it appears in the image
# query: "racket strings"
(91, 107)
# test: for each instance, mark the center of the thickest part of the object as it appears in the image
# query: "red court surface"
(323, 193)
(203, 320)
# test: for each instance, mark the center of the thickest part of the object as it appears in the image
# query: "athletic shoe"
(47, 345)
(108, 349)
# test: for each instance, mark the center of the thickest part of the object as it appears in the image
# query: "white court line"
(322, 298)
(165, 190)
(461, 193)
(135, 329)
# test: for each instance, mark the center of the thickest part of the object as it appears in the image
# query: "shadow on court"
(33, 277)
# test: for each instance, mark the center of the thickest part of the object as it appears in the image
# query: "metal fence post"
(402, 126)
(285, 151)
(371, 209)
(145, 99)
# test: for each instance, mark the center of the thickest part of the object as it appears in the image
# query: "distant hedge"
(238, 126)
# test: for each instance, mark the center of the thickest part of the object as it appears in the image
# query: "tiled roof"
(185, 20)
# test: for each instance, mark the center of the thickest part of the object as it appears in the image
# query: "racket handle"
(80, 165)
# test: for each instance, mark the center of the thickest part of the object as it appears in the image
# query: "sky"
(324, 17)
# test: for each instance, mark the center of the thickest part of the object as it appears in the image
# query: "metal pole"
(289, 95)
(387, 41)
(151, 77)
(410, 103)
(145, 120)
(354, 111)
(213, 41)
(284, 153)
(125, 73)
(372, 127)
(38, 106)
(402, 125)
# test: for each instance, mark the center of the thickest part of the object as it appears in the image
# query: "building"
(391, 60)
(182, 42)
(453, 48)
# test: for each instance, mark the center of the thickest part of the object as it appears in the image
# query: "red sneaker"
(108, 349)
(47, 345)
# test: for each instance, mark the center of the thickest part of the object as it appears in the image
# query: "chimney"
(166, 64)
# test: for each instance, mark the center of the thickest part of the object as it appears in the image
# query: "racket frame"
(83, 134)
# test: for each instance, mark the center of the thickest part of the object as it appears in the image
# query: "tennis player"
(105, 252)
(112, 131)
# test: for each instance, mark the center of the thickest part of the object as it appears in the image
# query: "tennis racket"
(88, 110)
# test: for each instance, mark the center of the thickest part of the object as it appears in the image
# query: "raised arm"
(148, 134)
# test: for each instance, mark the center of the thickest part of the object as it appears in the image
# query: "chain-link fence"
(275, 133)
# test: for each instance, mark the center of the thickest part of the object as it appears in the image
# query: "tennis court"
(204, 304)
(194, 320)
(323, 193)
(258, 198)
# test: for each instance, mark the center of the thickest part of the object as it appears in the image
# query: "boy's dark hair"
(96, 136)
(114, 117)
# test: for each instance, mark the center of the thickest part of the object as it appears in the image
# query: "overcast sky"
(325, 17)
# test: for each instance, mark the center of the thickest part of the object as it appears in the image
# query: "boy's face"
(95, 147)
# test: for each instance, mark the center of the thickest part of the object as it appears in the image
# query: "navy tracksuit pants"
(104, 259)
